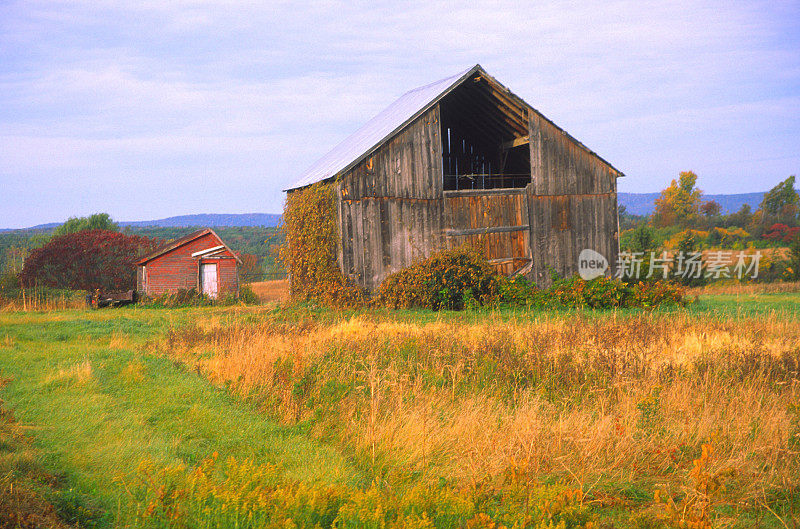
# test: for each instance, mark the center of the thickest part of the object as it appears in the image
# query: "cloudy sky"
(147, 109)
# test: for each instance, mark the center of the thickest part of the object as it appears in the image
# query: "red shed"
(200, 260)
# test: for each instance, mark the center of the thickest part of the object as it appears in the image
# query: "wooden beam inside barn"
(516, 142)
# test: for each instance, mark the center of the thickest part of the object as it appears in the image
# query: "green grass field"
(97, 405)
(98, 399)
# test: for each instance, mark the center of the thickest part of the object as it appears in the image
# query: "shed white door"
(208, 279)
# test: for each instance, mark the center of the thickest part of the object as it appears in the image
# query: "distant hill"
(644, 203)
(39, 227)
(267, 220)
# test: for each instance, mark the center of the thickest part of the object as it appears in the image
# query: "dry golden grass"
(746, 289)
(36, 300)
(78, 374)
(592, 401)
(270, 291)
(119, 340)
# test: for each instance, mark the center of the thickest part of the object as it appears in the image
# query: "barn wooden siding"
(389, 205)
(177, 269)
(495, 221)
(572, 202)
(392, 210)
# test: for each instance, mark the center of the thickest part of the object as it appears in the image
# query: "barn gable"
(507, 114)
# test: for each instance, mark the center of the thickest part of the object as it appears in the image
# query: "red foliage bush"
(781, 233)
(87, 260)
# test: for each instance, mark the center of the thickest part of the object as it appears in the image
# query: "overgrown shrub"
(462, 278)
(87, 260)
(247, 296)
(310, 248)
(516, 290)
(598, 293)
(654, 293)
(180, 298)
(451, 279)
(604, 293)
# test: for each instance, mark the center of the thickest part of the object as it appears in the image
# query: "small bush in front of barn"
(598, 293)
(656, 293)
(517, 290)
(181, 298)
(451, 279)
(463, 278)
(607, 293)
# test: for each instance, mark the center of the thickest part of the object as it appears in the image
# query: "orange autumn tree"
(679, 203)
(310, 248)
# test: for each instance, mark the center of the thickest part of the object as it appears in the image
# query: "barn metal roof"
(376, 131)
(390, 121)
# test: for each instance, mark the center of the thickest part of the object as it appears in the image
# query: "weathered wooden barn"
(199, 260)
(463, 160)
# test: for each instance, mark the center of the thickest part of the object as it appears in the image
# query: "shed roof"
(186, 239)
(392, 120)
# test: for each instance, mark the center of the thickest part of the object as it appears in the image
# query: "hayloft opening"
(484, 137)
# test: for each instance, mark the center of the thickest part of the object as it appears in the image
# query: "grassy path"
(98, 405)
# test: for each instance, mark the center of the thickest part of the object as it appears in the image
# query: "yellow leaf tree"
(679, 203)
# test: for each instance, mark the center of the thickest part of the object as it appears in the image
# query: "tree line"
(683, 221)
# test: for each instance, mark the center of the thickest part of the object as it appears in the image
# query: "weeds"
(592, 402)
(192, 298)
(463, 279)
(694, 507)
(41, 299)
(234, 493)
